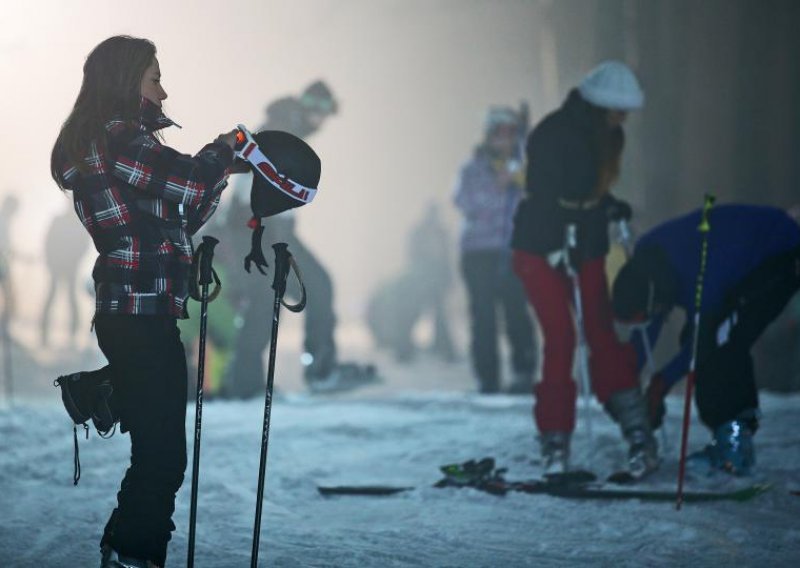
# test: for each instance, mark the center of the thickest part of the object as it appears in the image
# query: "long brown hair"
(112, 79)
(608, 144)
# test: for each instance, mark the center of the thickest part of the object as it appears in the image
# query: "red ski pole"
(704, 228)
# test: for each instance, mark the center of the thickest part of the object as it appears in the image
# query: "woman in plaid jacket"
(140, 201)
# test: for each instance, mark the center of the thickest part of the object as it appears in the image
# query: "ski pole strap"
(247, 149)
(202, 272)
(570, 247)
(625, 237)
(284, 262)
(76, 460)
(299, 306)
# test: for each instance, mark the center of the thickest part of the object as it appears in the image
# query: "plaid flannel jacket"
(141, 201)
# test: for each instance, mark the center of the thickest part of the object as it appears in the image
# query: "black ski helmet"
(295, 163)
(644, 285)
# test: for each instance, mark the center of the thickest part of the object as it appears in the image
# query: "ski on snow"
(483, 476)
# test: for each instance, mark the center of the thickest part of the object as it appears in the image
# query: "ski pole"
(571, 243)
(204, 276)
(704, 228)
(651, 371)
(626, 240)
(283, 263)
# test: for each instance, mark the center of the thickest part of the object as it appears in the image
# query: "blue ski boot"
(731, 450)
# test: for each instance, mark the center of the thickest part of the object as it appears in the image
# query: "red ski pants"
(612, 365)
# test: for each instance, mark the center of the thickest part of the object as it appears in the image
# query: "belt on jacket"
(580, 205)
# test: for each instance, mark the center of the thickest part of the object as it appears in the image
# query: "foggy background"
(413, 79)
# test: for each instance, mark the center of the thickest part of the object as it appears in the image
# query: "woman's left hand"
(239, 167)
(618, 210)
(228, 138)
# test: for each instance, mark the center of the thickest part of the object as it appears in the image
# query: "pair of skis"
(483, 476)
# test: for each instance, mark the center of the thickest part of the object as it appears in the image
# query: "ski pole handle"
(708, 203)
(281, 268)
(284, 263)
(206, 275)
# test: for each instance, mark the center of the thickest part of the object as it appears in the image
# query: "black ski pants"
(726, 385)
(491, 284)
(147, 365)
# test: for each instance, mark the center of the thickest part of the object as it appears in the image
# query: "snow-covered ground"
(400, 439)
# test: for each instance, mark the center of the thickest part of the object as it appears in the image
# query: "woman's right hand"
(228, 138)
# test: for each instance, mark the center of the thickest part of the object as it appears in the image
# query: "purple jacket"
(487, 207)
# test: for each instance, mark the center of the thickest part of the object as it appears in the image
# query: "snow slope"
(45, 521)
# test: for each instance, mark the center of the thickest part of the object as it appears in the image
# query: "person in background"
(752, 270)
(574, 157)
(8, 210)
(64, 246)
(487, 192)
(426, 279)
(323, 372)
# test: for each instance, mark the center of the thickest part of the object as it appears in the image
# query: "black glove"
(256, 255)
(618, 210)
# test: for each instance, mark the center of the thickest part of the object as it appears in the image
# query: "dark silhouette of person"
(245, 377)
(7, 212)
(426, 279)
(65, 244)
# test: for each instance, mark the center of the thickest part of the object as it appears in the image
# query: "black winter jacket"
(561, 178)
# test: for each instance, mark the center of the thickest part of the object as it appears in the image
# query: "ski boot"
(628, 409)
(555, 452)
(731, 449)
(489, 386)
(343, 377)
(479, 474)
(87, 396)
(111, 559)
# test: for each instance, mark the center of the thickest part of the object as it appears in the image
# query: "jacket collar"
(577, 108)
(152, 116)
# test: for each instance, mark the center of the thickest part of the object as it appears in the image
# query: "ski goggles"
(325, 106)
(247, 149)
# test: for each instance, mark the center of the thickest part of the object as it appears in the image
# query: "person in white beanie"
(574, 159)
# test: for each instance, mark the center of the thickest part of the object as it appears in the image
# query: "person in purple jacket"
(752, 271)
(488, 190)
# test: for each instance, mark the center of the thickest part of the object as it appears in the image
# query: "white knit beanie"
(612, 85)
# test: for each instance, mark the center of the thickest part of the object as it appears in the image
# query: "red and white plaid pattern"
(140, 201)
